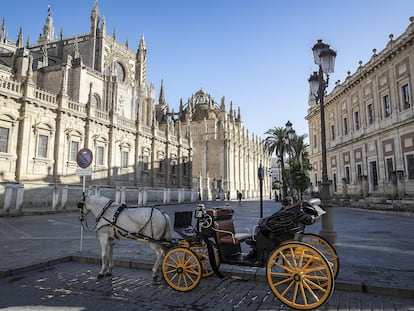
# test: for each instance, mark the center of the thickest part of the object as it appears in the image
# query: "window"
(4, 139)
(161, 166)
(315, 142)
(100, 155)
(173, 167)
(374, 175)
(74, 147)
(42, 146)
(119, 72)
(387, 106)
(345, 126)
(124, 159)
(359, 172)
(370, 114)
(332, 132)
(405, 94)
(390, 168)
(185, 167)
(410, 166)
(347, 175)
(356, 120)
(145, 165)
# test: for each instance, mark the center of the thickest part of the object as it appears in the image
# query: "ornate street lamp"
(290, 135)
(325, 59)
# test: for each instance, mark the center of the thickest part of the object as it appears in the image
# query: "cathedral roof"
(202, 106)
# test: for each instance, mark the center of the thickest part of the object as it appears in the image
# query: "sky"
(255, 53)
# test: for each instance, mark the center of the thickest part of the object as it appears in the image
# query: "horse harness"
(123, 233)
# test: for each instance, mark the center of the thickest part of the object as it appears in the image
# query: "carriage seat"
(224, 227)
(183, 224)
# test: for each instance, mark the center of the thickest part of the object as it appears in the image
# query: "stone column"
(64, 200)
(365, 186)
(20, 197)
(8, 191)
(344, 188)
(55, 197)
(400, 184)
(393, 176)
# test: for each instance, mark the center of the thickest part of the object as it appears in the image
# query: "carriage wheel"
(300, 276)
(325, 248)
(202, 252)
(181, 269)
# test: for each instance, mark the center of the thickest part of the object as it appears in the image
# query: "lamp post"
(260, 175)
(290, 135)
(325, 59)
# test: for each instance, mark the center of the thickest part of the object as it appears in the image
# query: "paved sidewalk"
(376, 249)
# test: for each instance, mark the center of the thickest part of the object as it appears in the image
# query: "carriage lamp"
(324, 58)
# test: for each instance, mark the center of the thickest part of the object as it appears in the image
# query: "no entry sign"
(84, 157)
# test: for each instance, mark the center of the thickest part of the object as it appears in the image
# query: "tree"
(275, 143)
(299, 165)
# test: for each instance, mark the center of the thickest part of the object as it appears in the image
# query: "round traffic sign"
(84, 157)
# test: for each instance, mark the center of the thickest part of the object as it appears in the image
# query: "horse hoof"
(99, 276)
(155, 279)
(108, 274)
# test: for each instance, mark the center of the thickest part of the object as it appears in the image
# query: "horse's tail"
(167, 234)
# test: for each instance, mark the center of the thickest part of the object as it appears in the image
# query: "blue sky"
(256, 53)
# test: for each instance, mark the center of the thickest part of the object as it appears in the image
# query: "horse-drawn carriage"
(300, 268)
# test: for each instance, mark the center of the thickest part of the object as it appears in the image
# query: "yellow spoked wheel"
(325, 248)
(181, 269)
(202, 252)
(300, 276)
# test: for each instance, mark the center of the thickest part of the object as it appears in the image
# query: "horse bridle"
(82, 213)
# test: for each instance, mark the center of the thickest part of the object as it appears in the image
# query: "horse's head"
(83, 210)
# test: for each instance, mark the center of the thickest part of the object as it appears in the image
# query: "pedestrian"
(239, 195)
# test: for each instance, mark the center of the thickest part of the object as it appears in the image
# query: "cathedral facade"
(226, 158)
(369, 121)
(62, 94)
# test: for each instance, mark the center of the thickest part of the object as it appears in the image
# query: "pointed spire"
(142, 45)
(19, 42)
(95, 11)
(61, 33)
(103, 25)
(76, 53)
(161, 99)
(114, 34)
(28, 42)
(48, 33)
(29, 72)
(223, 104)
(45, 59)
(181, 106)
(95, 18)
(141, 63)
(126, 42)
(3, 31)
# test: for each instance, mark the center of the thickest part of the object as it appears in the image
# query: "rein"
(104, 210)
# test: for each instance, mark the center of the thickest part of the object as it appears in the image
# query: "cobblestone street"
(73, 286)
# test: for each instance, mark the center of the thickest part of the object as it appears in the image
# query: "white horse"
(115, 222)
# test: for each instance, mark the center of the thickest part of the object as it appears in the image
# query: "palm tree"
(300, 148)
(299, 165)
(275, 142)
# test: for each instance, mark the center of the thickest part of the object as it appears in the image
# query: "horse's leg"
(103, 240)
(159, 252)
(110, 264)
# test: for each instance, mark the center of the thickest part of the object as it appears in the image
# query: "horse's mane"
(96, 200)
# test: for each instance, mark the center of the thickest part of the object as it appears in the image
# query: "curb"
(235, 272)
